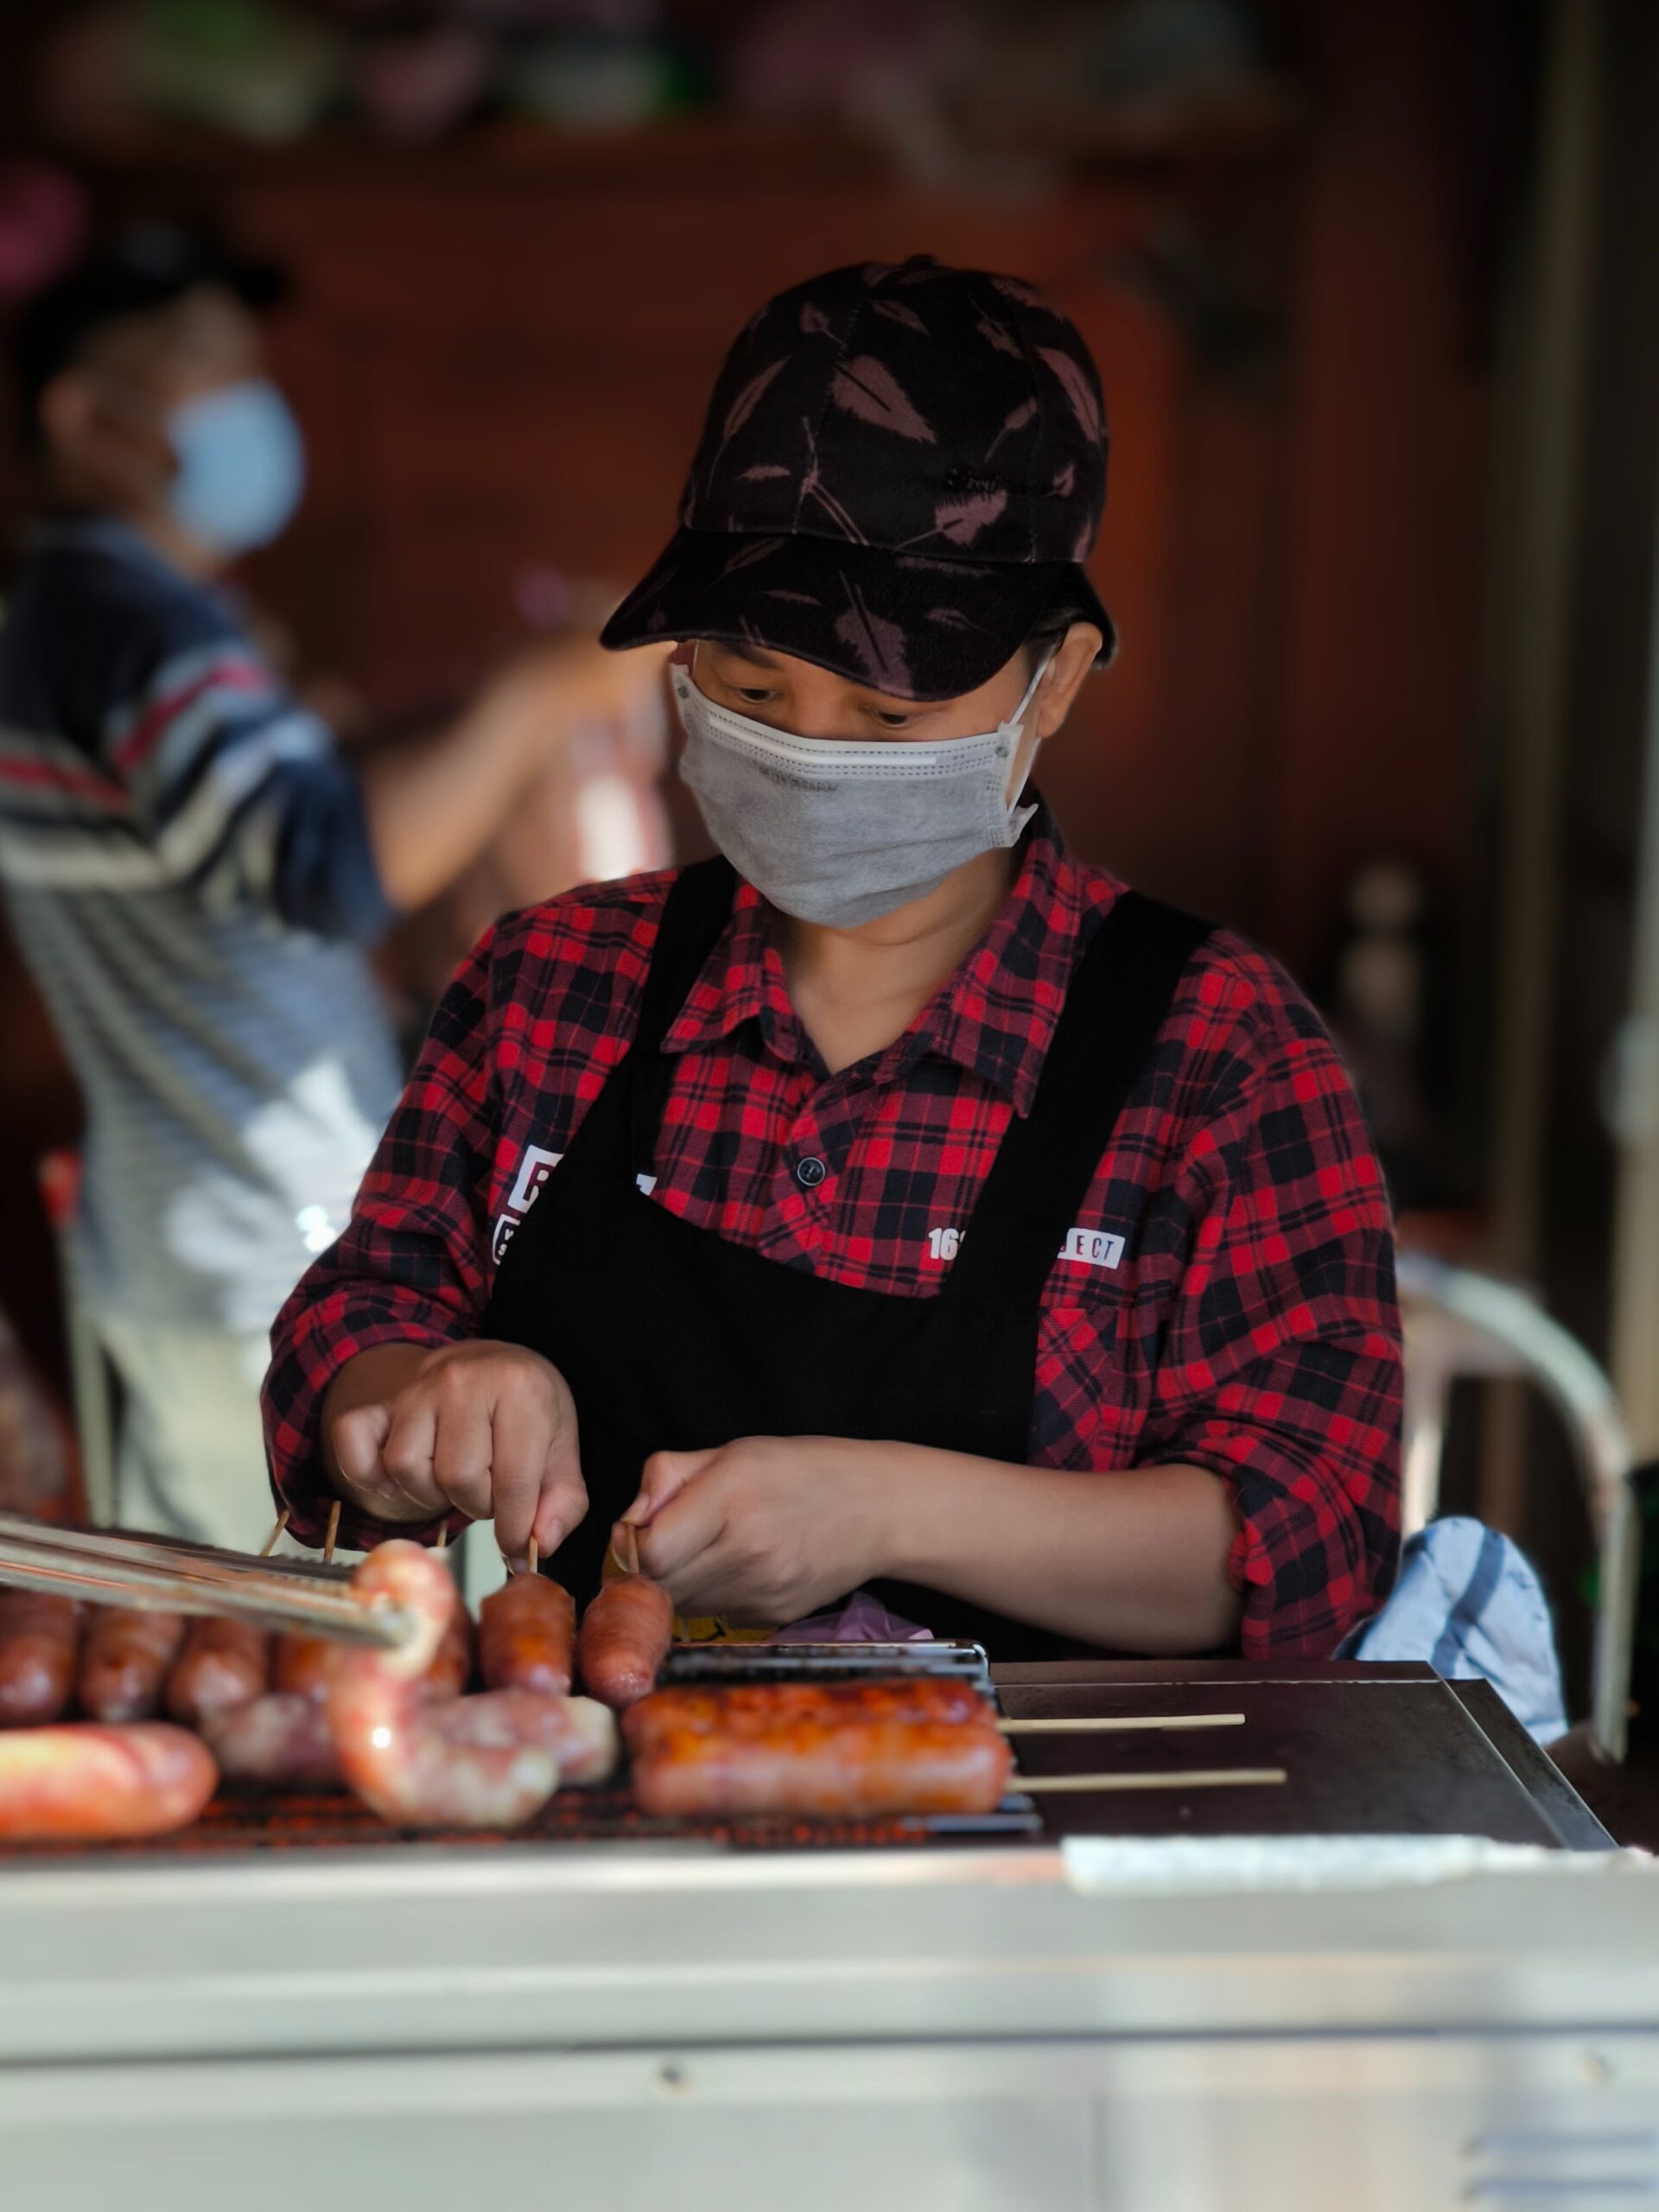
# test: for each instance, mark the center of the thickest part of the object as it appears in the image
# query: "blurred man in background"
(192, 867)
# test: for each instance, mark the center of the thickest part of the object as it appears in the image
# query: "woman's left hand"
(766, 1529)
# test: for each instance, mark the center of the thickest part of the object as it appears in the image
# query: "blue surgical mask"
(241, 465)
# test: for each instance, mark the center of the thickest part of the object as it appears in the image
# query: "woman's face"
(806, 701)
(809, 701)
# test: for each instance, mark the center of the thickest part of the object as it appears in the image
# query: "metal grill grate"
(241, 1821)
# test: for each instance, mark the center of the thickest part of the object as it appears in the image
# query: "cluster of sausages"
(398, 1728)
(122, 1775)
(308, 1711)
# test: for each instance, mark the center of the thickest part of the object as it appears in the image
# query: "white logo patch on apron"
(1085, 1248)
(533, 1171)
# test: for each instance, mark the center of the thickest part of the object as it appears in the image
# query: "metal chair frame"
(1459, 1322)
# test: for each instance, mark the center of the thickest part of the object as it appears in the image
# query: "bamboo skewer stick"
(532, 1557)
(331, 1533)
(1120, 1724)
(1205, 1778)
(275, 1537)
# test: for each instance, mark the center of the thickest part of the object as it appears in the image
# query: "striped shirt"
(187, 867)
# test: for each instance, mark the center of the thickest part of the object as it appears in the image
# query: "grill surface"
(245, 1820)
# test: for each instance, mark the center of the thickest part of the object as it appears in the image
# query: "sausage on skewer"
(452, 1662)
(89, 1784)
(39, 1637)
(579, 1732)
(301, 1665)
(825, 1770)
(624, 1639)
(526, 1635)
(222, 1664)
(282, 1739)
(391, 1738)
(749, 1708)
(124, 1658)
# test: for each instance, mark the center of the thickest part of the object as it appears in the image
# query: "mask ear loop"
(1011, 728)
(1010, 724)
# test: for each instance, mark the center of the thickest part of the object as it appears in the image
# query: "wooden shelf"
(511, 152)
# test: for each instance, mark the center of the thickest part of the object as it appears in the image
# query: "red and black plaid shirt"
(1227, 1301)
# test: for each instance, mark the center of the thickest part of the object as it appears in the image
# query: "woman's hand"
(481, 1429)
(766, 1529)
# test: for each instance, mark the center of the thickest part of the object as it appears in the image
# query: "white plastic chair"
(1461, 1323)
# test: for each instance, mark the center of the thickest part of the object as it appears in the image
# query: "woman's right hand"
(481, 1429)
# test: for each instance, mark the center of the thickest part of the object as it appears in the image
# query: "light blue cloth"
(1468, 1602)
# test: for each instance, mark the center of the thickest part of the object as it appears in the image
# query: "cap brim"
(912, 625)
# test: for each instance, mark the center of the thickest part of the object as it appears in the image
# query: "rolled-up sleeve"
(412, 1265)
(1280, 1369)
(243, 794)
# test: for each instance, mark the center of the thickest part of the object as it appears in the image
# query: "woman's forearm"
(1135, 1560)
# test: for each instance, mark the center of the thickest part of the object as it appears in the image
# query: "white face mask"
(842, 834)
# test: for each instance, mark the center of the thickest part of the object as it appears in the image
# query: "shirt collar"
(82, 531)
(994, 1016)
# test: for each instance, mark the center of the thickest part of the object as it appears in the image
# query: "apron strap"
(1119, 994)
(698, 907)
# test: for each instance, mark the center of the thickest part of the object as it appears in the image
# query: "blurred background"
(1372, 290)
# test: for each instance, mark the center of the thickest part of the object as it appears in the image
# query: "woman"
(914, 1209)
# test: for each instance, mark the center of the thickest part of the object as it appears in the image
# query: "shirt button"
(810, 1173)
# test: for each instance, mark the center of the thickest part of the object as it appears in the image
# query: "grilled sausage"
(88, 1784)
(750, 1709)
(124, 1657)
(452, 1662)
(526, 1635)
(39, 1637)
(301, 1665)
(579, 1732)
(624, 1639)
(389, 1735)
(858, 1770)
(280, 1739)
(222, 1664)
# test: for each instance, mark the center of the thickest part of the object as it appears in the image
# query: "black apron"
(673, 1340)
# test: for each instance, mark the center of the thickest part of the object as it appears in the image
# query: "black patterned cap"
(902, 471)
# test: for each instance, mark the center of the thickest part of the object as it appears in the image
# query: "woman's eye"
(894, 721)
(751, 695)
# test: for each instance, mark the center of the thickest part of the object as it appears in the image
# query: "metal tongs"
(109, 1567)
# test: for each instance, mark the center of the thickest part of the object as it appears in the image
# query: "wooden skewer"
(272, 1540)
(626, 1553)
(331, 1532)
(1203, 1778)
(532, 1557)
(442, 1543)
(1119, 1724)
